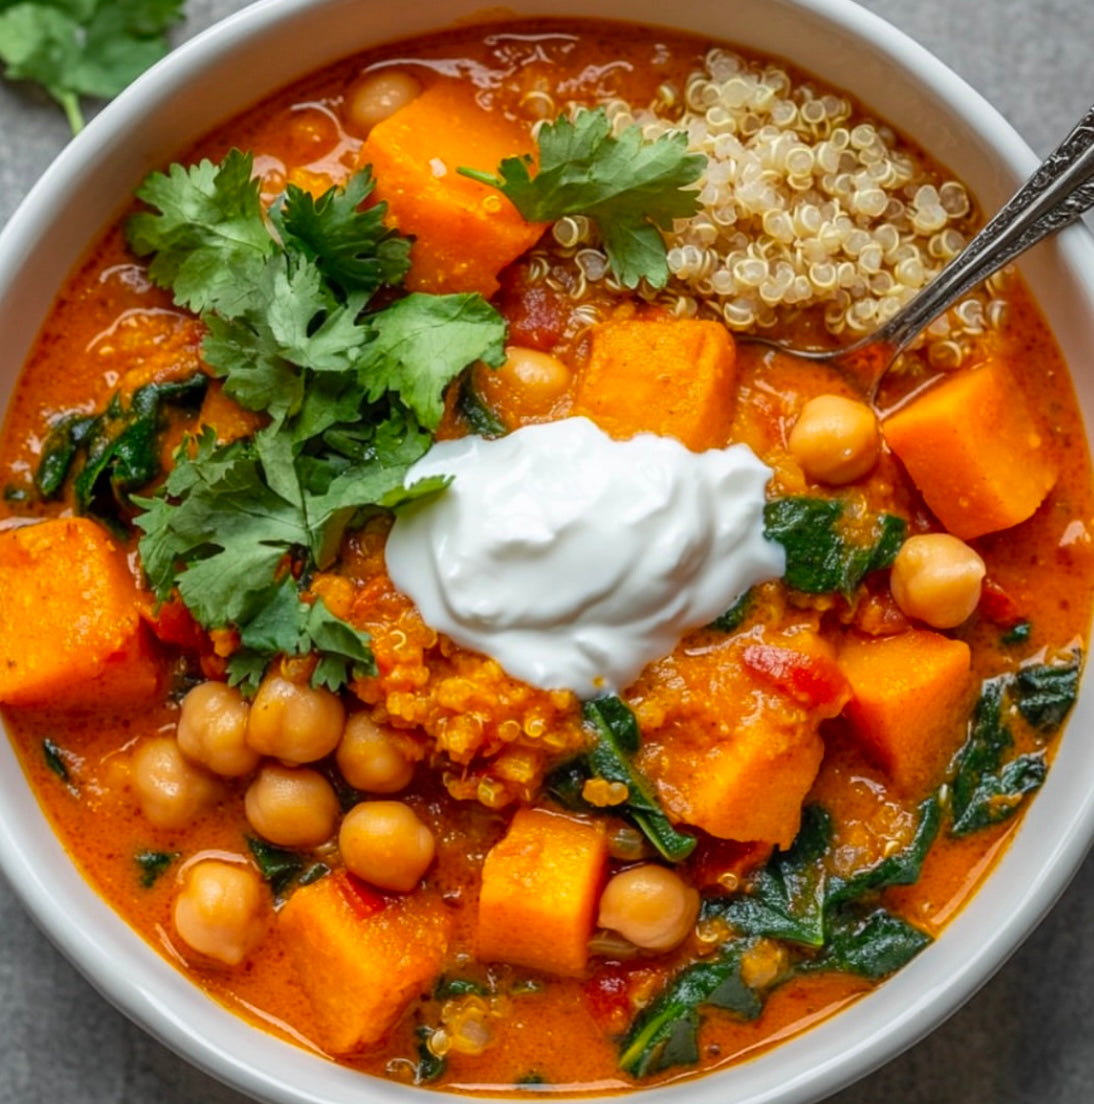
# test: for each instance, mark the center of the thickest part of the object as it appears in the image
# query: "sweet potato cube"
(466, 232)
(909, 697)
(361, 967)
(974, 451)
(540, 889)
(675, 378)
(731, 735)
(71, 632)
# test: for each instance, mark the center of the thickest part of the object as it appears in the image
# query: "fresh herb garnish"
(631, 188)
(353, 396)
(828, 548)
(76, 48)
(611, 758)
(152, 865)
(988, 786)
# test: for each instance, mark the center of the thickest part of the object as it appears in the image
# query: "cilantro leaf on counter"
(630, 187)
(352, 396)
(88, 48)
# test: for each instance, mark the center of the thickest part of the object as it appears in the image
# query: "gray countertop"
(1025, 1039)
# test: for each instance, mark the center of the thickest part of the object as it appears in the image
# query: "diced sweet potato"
(360, 967)
(909, 695)
(675, 378)
(974, 451)
(731, 733)
(540, 889)
(71, 631)
(466, 232)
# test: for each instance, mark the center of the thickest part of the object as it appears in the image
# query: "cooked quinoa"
(805, 203)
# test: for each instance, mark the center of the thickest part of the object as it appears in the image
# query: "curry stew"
(372, 840)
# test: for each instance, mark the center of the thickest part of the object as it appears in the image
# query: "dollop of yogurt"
(574, 559)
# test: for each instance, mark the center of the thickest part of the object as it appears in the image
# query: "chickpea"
(528, 386)
(835, 440)
(937, 578)
(294, 722)
(650, 905)
(291, 806)
(375, 96)
(213, 730)
(222, 910)
(385, 844)
(370, 760)
(171, 790)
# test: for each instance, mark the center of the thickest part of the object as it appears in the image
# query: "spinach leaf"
(786, 898)
(120, 447)
(988, 785)
(429, 1066)
(617, 740)
(871, 946)
(734, 617)
(280, 867)
(666, 1032)
(903, 868)
(482, 420)
(826, 551)
(1045, 692)
(55, 759)
(153, 864)
(1019, 633)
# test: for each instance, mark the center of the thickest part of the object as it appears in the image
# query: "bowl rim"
(905, 1007)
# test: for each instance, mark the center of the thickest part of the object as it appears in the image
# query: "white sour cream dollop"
(573, 559)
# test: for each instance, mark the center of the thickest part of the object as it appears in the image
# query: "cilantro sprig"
(83, 48)
(630, 187)
(352, 393)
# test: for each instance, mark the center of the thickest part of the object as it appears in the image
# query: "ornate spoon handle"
(1056, 194)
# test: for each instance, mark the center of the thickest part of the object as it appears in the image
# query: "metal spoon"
(1058, 192)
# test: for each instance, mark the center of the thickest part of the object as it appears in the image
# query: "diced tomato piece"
(998, 606)
(615, 991)
(536, 313)
(174, 624)
(363, 899)
(812, 680)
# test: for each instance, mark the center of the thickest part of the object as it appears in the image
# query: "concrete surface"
(1025, 1039)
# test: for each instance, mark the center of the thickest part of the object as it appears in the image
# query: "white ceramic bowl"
(265, 47)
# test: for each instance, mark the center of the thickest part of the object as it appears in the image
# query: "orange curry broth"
(109, 329)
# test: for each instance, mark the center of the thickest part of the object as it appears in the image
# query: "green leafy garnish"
(617, 741)
(76, 48)
(666, 1032)
(989, 784)
(118, 450)
(353, 395)
(734, 617)
(631, 188)
(479, 417)
(827, 548)
(55, 760)
(1019, 633)
(152, 865)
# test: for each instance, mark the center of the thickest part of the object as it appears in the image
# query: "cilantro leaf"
(94, 48)
(209, 240)
(631, 188)
(423, 342)
(351, 247)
